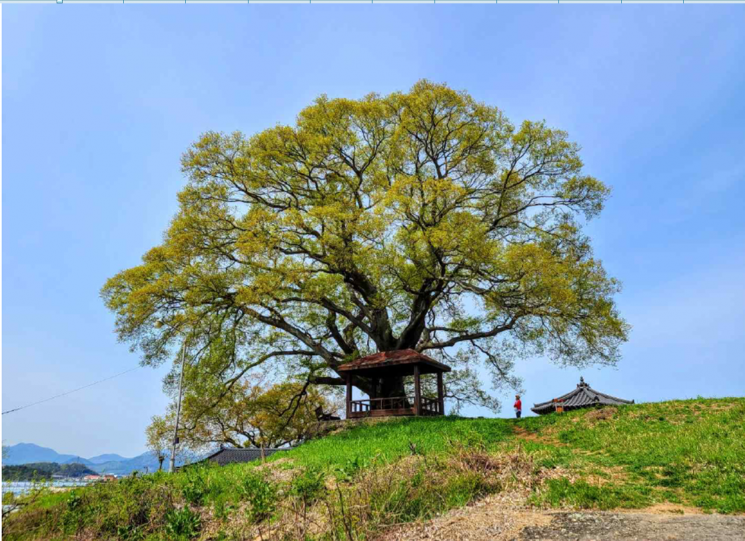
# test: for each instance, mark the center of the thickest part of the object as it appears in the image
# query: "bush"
(261, 496)
(195, 487)
(347, 471)
(73, 517)
(309, 485)
(182, 524)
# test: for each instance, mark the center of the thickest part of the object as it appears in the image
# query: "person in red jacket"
(518, 406)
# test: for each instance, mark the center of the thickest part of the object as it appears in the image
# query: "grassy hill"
(355, 483)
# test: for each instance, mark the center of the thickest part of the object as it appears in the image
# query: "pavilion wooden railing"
(430, 405)
(401, 404)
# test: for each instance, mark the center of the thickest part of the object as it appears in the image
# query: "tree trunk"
(391, 387)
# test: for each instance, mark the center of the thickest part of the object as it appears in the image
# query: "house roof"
(583, 396)
(232, 456)
(401, 359)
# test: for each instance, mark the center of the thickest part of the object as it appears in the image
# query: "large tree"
(250, 415)
(420, 220)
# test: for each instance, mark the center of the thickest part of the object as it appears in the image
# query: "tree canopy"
(250, 415)
(421, 220)
(38, 471)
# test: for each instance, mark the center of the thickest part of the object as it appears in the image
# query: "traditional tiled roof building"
(235, 455)
(583, 396)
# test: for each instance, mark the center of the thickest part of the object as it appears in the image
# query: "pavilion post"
(374, 404)
(348, 377)
(417, 392)
(440, 393)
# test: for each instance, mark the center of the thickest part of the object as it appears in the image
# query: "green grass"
(693, 451)
(386, 442)
(354, 483)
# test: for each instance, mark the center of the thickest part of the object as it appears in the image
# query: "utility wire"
(73, 391)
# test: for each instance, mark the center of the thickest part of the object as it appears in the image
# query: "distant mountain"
(145, 462)
(108, 457)
(26, 453)
(78, 460)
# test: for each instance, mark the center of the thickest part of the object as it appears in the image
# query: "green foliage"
(182, 524)
(350, 468)
(249, 414)
(130, 533)
(75, 513)
(260, 495)
(370, 225)
(39, 471)
(309, 485)
(194, 485)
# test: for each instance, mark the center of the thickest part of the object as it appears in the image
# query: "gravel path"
(637, 527)
(494, 519)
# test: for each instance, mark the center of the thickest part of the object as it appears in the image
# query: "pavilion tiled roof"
(393, 358)
(583, 396)
(234, 455)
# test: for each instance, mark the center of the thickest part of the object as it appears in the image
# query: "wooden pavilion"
(394, 364)
(583, 396)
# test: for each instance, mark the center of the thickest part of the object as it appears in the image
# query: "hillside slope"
(358, 482)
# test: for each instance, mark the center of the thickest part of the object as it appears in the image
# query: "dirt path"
(637, 527)
(500, 518)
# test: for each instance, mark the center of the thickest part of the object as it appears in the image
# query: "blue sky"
(99, 102)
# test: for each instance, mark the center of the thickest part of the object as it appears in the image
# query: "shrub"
(74, 515)
(130, 533)
(182, 524)
(347, 471)
(260, 495)
(309, 485)
(195, 487)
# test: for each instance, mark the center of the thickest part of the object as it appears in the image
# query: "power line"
(73, 391)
